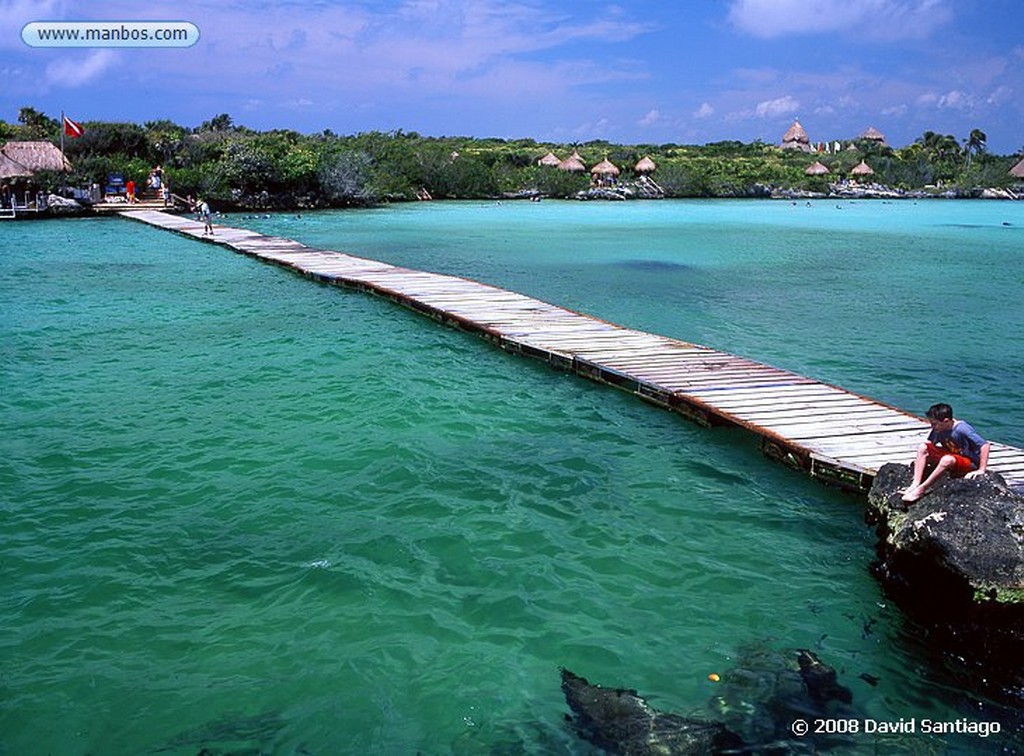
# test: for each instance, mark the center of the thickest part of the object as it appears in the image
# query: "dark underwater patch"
(651, 265)
(1004, 224)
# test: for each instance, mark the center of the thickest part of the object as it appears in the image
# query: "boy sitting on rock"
(953, 447)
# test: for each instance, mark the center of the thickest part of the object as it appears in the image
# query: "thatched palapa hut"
(862, 169)
(550, 159)
(1018, 170)
(25, 159)
(573, 164)
(604, 172)
(19, 164)
(796, 139)
(644, 166)
(816, 169)
(873, 135)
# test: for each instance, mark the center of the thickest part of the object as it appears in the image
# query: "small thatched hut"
(873, 135)
(19, 164)
(796, 139)
(862, 169)
(573, 164)
(604, 173)
(550, 159)
(25, 159)
(644, 166)
(816, 169)
(1018, 170)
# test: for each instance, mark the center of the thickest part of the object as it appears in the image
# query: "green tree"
(110, 139)
(943, 152)
(166, 140)
(344, 178)
(36, 125)
(975, 144)
(220, 122)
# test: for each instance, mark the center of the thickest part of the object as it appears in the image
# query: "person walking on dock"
(203, 209)
(953, 447)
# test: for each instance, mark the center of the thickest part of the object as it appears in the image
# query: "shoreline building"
(551, 159)
(872, 134)
(796, 138)
(19, 164)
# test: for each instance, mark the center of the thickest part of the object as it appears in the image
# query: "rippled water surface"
(243, 510)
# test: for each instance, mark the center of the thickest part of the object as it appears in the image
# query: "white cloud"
(1000, 96)
(777, 107)
(704, 111)
(75, 71)
(14, 14)
(895, 111)
(412, 50)
(874, 19)
(956, 100)
(652, 117)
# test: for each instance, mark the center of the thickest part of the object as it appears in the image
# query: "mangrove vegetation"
(232, 165)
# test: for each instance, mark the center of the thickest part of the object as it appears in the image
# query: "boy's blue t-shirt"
(960, 439)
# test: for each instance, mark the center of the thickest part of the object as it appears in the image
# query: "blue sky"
(643, 71)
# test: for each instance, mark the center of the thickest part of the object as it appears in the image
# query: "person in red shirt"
(129, 189)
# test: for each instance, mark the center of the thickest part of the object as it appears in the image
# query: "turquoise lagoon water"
(243, 510)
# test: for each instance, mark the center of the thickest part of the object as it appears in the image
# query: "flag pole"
(63, 160)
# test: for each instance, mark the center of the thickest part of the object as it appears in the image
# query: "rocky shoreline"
(264, 201)
(879, 191)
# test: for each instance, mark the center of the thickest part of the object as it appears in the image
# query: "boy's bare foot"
(912, 494)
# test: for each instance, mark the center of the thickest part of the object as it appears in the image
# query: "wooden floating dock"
(836, 436)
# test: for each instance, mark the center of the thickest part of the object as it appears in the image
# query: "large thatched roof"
(22, 159)
(605, 168)
(816, 169)
(873, 134)
(796, 138)
(645, 165)
(1018, 170)
(862, 169)
(573, 164)
(549, 159)
(796, 133)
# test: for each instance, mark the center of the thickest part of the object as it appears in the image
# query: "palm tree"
(37, 125)
(940, 146)
(975, 144)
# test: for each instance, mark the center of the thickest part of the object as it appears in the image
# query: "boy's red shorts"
(960, 469)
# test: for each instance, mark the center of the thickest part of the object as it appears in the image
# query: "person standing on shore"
(129, 190)
(953, 447)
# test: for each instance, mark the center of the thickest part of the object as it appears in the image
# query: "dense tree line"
(232, 164)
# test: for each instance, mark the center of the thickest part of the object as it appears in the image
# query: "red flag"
(72, 129)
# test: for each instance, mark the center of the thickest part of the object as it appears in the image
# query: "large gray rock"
(954, 560)
(965, 535)
(57, 205)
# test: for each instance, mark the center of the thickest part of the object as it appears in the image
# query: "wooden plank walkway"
(834, 435)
